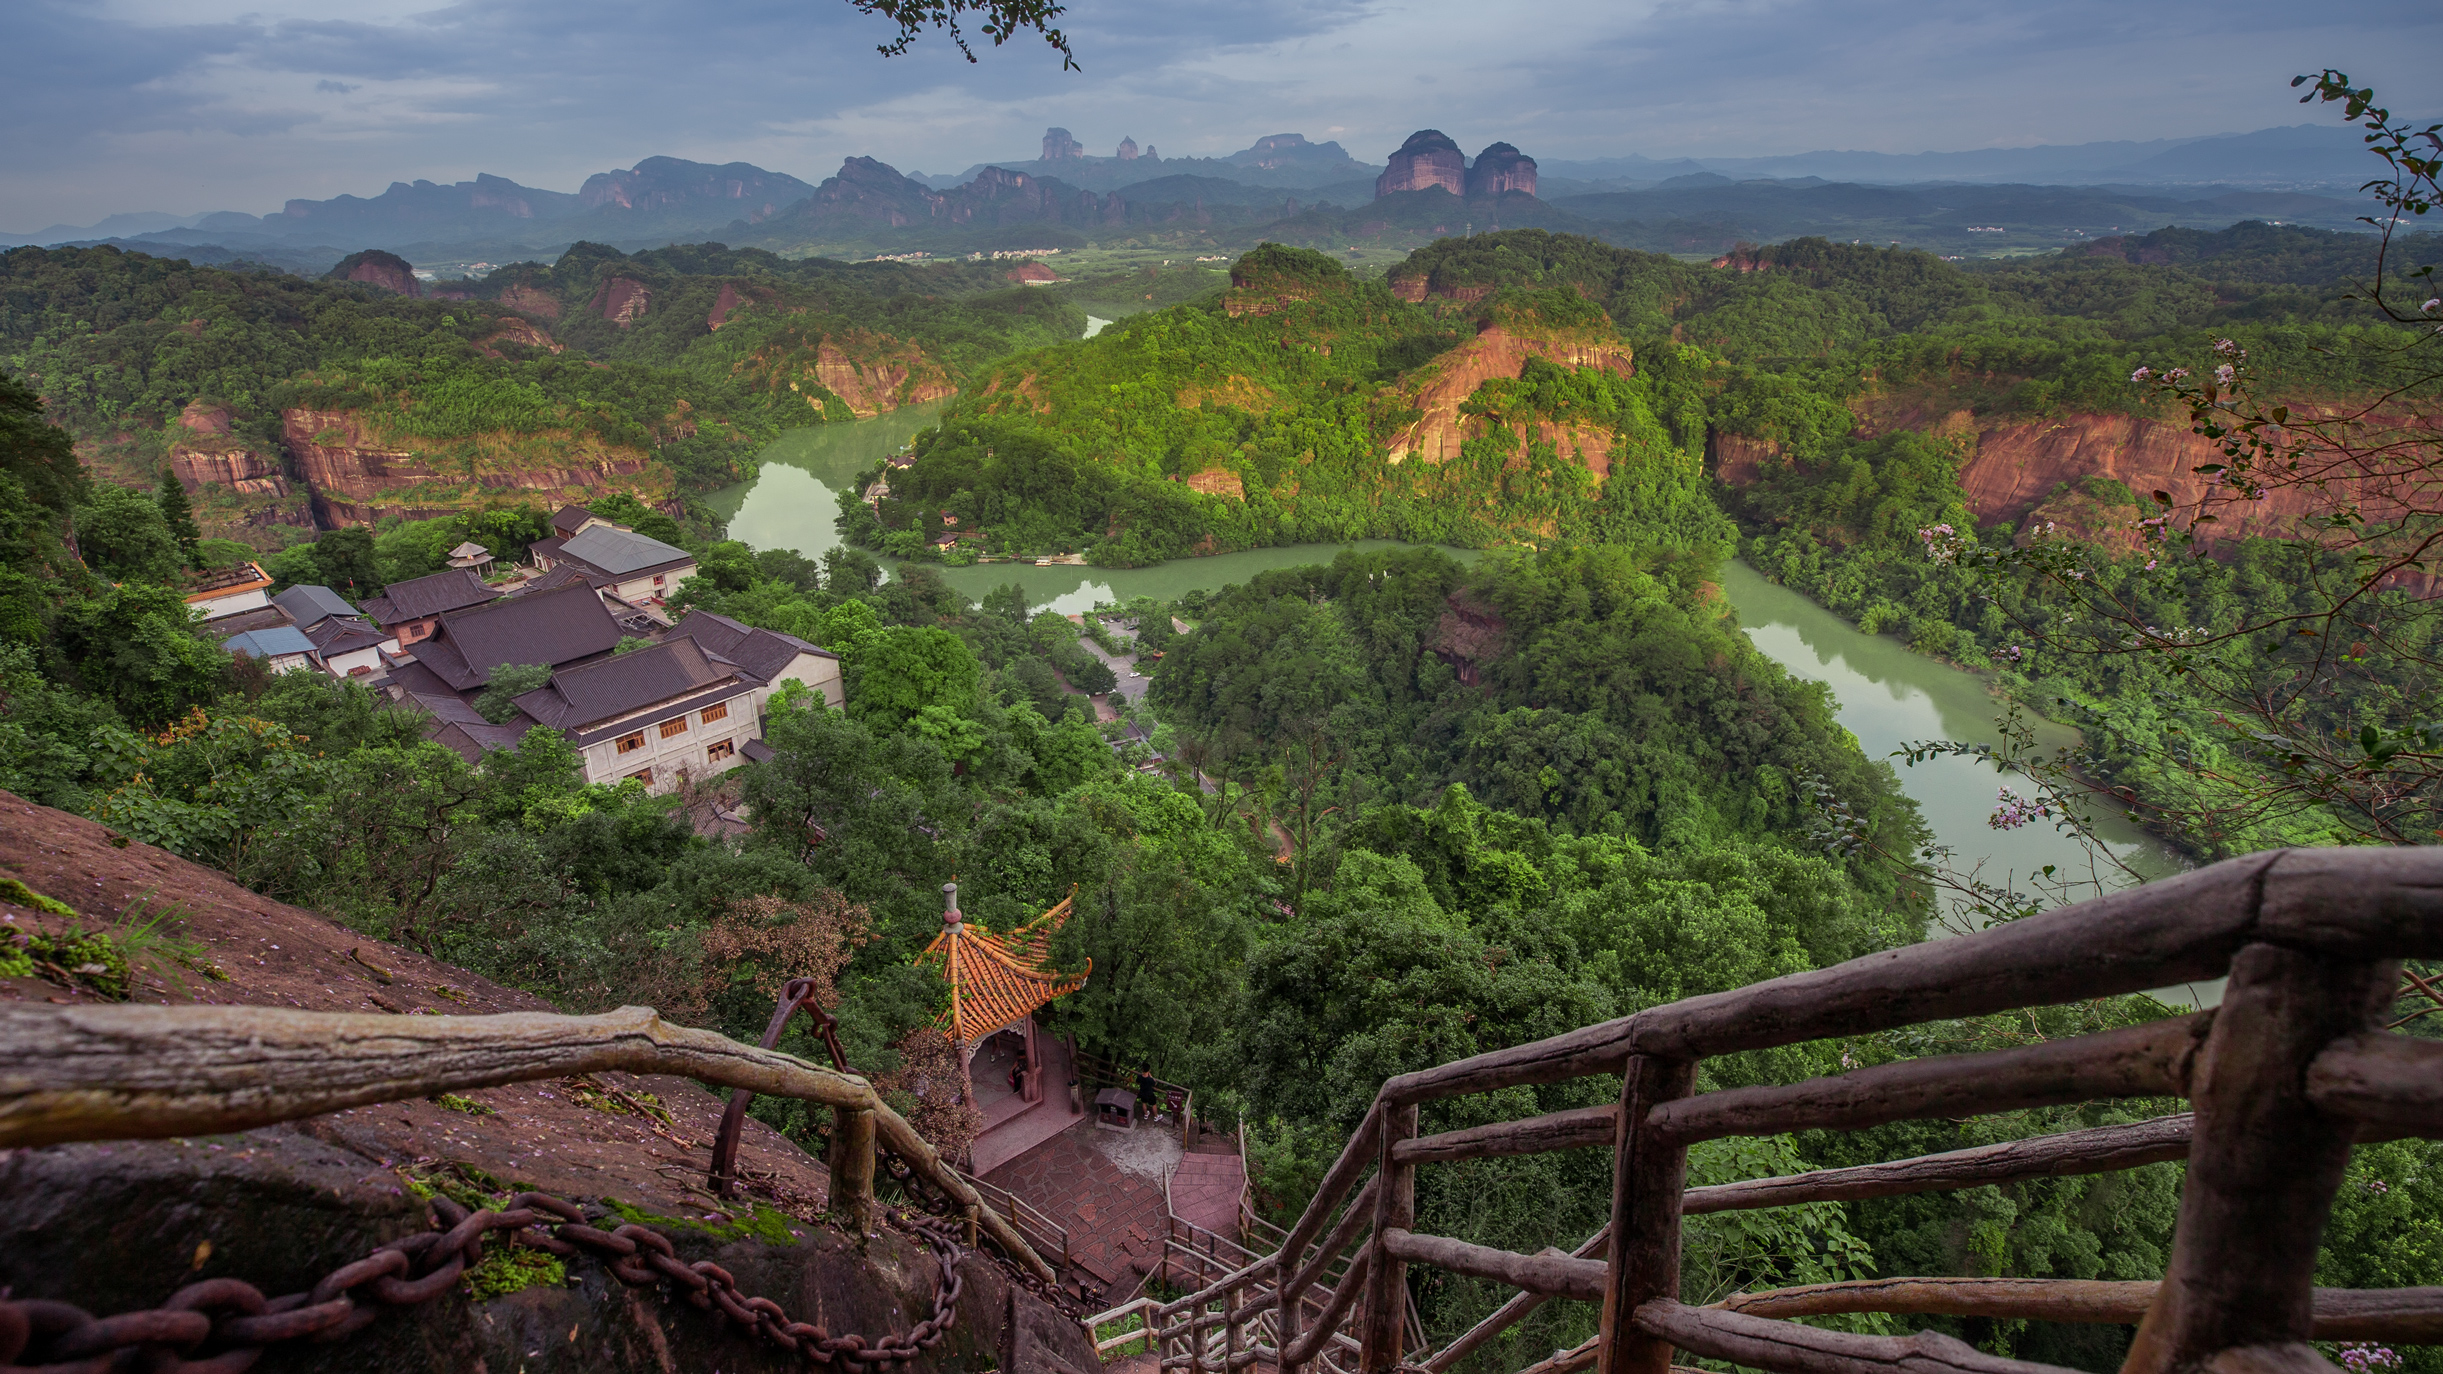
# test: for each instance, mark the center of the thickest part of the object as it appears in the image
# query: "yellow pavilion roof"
(996, 979)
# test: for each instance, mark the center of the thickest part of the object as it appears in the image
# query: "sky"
(194, 105)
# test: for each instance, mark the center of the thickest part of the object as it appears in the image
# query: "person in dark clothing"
(1147, 1094)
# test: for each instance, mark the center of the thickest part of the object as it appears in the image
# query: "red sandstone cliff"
(357, 474)
(1429, 158)
(621, 300)
(208, 454)
(867, 372)
(1440, 387)
(531, 300)
(374, 267)
(1499, 169)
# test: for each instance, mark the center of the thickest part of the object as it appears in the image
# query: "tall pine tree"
(177, 514)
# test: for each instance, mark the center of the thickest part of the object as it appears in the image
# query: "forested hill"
(286, 403)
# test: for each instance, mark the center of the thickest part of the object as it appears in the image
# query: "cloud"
(206, 104)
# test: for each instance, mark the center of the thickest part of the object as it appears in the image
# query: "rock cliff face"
(1501, 168)
(532, 300)
(1428, 158)
(206, 453)
(865, 372)
(522, 334)
(621, 300)
(1502, 350)
(120, 1226)
(356, 474)
(1058, 145)
(374, 267)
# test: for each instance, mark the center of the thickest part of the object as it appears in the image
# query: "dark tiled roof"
(564, 575)
(416, 598)
(756, 751)
(624, 552)
(543, 550)
(343, 635)
(309, 606)
(761, 653)
(555, 628)
(566, 520)
(584, 696)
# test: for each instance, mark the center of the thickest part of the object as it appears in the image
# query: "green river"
(1886, 695)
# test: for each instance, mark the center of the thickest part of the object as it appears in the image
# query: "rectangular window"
(674, 727)
(720, 751)
(713, 713)
(629, 744)
(643, 775)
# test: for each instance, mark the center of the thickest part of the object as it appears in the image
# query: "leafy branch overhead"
(1000, 20)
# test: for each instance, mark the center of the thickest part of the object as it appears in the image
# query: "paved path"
(1206, 1190)
(1112, 1207)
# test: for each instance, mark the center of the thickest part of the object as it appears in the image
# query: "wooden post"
(1384, 1311)
(1233, 1304)
(852, 1168)
(2263, 1166)
(1644, 1254)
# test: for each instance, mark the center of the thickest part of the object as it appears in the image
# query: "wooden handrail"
(2282, 1078)
(2411, 1316)
(137, 1072)
(2096, 1150)
(2151, 1060)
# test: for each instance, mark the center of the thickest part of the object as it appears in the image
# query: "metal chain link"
(222, 1326)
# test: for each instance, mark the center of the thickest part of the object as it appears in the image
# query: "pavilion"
(997, 984)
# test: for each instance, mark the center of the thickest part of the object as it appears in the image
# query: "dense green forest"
(1405, 810)
(119, 344)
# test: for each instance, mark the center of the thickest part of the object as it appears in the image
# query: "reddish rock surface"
(728, 301)
(120, 1225)
(209, 454)
(1502, 351)
(521, 333)
(200, 417)
(353, 477)
(1218, 482)
(1428, 158)
(621, 300)
(1033, 271)
(1501, 168)
(374, 267)
(531, 300)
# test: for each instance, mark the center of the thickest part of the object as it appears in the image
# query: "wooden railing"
(1049, 1238)
(2282, 1077)
(145, 1073)
(1095, 1072)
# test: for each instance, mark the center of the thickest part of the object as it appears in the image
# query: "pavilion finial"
(951, 915)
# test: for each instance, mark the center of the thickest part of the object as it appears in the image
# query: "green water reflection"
(1885, 694)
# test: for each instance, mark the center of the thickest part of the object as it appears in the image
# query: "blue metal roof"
(271, 643)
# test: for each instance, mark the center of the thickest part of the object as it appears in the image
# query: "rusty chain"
(222, 1326)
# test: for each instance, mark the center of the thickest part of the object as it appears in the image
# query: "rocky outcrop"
(1057, 145)
(357, 475)
(621, 300)
(119, 1226)
(374, 267)
(1499, 170)
(1032, 271)
(1468, 634)
(1442, 386)
(1429, 158)
(520, 333)
(531, 300)
(1128, 150)
(208, 453)
(868, 373)
(728, 301)
(1218, 482)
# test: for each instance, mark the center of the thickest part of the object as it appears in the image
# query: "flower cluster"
(2361, 1356)
(2012, 654)
(2015, 811)
(1943, 543)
